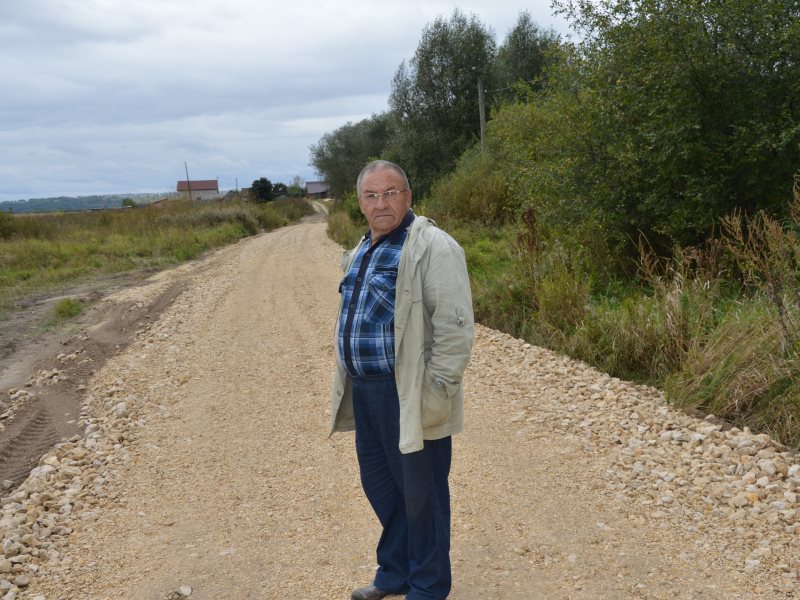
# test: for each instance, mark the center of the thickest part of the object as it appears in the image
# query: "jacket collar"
(417, 229)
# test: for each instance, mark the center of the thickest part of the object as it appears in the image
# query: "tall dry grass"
(747, 369)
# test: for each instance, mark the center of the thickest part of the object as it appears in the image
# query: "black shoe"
(369, 592)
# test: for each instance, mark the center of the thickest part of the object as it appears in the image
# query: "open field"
(41, 253)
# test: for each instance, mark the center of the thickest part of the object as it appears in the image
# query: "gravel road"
(205, 469)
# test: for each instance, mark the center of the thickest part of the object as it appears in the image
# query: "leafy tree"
(297, 188)
(340, 155)
(279, 189)
(434, 97)
(128, 202)
(525, 54)
(261, 190)
(675, 113)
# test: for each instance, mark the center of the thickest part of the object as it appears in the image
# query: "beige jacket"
(433, 325)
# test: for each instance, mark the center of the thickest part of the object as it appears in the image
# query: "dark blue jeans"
(409, 493)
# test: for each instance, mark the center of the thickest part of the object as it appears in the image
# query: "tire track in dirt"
(32, 433)
(56, 367)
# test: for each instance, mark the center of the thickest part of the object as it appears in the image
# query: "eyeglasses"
(388, 196)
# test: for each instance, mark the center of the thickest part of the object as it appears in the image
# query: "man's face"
(383, 215)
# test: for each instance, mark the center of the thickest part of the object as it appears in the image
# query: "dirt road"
(206, 466)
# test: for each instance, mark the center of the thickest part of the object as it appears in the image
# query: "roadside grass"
(740, 372)
(40, 253)
(346, 224)
(491, 260)
(717, 328)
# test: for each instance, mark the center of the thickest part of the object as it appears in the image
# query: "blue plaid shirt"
(366, 323)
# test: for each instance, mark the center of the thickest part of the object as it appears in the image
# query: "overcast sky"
(112, 96)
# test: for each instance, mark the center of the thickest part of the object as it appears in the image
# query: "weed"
(739, 373)
(346, 224)
(768, 254)
(65, 309)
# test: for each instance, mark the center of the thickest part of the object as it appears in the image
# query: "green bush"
(349, 205)
(244, 219)
(65, 309)
(747, 368)
(346, 222)
(561, 293)
(211, 217)
(499, 300)
(475, 191)
(717, 326)
(268, 217)
(293, 209)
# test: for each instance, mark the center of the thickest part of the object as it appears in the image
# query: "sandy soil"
(48, 368)
(227, 483)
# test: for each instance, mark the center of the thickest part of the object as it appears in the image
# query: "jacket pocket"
(435, 402)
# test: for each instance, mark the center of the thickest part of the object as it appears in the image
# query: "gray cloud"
(111, 96)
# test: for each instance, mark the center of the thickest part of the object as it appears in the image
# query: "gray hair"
(376, 165)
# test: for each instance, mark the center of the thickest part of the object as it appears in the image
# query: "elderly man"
(404, 336)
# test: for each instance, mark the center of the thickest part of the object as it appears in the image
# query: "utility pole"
(482, 110)
(188, 181)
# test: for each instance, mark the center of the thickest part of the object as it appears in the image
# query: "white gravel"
(205, 469)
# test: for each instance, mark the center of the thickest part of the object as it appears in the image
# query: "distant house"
(202, 189)
(317, 189)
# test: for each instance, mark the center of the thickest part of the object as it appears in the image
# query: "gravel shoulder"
(44, 370)
(204, 463)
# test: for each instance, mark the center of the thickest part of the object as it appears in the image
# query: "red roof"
(199, 185)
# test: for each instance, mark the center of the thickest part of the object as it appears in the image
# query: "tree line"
(263, 190)
(661, 119)
(433, 107)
